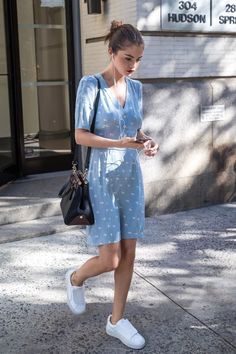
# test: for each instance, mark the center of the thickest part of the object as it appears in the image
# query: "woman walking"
(115, 179)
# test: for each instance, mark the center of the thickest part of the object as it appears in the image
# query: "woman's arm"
(84, 137)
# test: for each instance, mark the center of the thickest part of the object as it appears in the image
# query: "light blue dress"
(115, 177)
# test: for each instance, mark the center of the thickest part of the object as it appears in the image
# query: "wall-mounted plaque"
(212, 113)
(224, 16)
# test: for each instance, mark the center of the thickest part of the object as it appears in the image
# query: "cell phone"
(141, 138)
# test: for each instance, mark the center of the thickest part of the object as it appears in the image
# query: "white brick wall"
(96, 58)
(195, 56)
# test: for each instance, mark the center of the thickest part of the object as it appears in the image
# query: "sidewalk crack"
(185, 310)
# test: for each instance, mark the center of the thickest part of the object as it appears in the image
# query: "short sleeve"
(85, 99)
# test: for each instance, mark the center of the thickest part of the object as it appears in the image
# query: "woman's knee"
(111, 264)
(110, 257)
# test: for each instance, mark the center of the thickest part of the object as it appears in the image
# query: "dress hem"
(117, 241)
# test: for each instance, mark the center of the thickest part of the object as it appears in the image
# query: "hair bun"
(115, 25)
(122, 35)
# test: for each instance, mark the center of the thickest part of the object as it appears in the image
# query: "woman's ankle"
(114, 320)
(74, 281)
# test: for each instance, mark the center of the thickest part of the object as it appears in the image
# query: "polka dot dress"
(115, 177)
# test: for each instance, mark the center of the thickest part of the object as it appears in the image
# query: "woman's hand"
(132, 143)
(150, 148)
(84, 137)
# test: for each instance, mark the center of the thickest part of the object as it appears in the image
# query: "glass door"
(44, 84)
(7, 156)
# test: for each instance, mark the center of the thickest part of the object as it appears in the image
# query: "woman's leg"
(107, 260)
(123, 276)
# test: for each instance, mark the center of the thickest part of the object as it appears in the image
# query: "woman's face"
(127, 60)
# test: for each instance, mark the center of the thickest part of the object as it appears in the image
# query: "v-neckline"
(112, 96)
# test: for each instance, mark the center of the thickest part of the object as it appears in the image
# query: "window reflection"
(43, 60)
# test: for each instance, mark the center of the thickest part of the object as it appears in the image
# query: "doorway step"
(30, 207)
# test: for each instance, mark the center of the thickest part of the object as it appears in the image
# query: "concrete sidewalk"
(182, 297)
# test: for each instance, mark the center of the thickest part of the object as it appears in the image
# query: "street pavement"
(182, 298)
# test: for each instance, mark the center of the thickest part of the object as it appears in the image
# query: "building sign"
(224, 16)
(199, 15)
(212, 113)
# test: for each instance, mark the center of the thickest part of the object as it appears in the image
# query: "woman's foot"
(126, 333)
(75, 295)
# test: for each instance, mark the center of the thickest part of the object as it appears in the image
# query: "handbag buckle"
(83, 176)
(74, 167)
(79, 176)
(75, 176)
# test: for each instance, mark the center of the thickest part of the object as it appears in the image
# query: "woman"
(115, 179)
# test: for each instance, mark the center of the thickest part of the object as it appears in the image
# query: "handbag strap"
(92, 127)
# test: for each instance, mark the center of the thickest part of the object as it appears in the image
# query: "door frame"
(14, 92)
(39, 164)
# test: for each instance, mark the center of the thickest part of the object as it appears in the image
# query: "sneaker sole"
(123, 340)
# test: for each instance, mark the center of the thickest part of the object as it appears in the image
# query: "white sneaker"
(126, 333)
(75, 295)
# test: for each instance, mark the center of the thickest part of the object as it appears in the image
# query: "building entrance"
(43, 84)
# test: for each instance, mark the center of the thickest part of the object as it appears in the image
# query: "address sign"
(199, 15)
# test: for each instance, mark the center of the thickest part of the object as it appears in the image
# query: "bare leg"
(108, 260)
(123, 276)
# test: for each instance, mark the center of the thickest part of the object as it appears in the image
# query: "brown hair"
(121, 35)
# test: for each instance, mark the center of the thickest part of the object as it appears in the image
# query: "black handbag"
(75, 201)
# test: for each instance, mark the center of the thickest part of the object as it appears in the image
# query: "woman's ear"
(110, 53)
